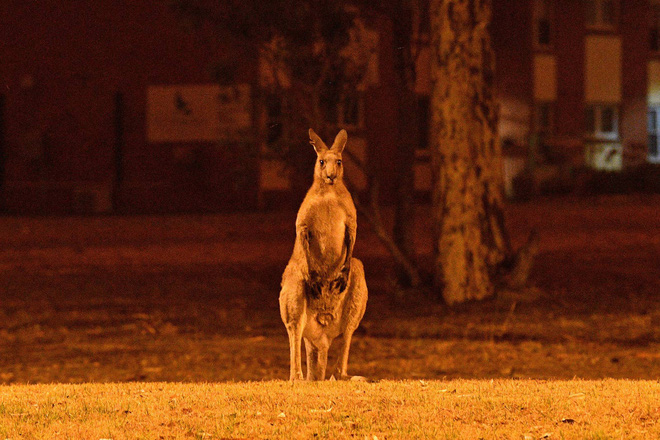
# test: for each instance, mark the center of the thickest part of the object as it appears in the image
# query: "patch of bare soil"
(194, 298)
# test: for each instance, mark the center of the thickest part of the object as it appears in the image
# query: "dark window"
(351, 107)
(274, 126)
(607, 12)
(329, 102)
(653, 145)
(424, 18)
(592, 11)
(654, 152)
(544, 32)
(342, 109)
(600, 13)
(654, 31)
(590, 120)
(423, 122)
(653, 124)
(274, 106)
(544, 117)
(607, 119)
(601, 121)
(542, 23)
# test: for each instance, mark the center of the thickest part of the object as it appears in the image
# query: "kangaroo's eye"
(339, 162)
(322, 162)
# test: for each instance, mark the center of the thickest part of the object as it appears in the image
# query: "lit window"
(602, 121)
(600, 14)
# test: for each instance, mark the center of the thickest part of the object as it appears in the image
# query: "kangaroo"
(324, 292)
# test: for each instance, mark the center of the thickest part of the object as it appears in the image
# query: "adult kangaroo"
(324, 292)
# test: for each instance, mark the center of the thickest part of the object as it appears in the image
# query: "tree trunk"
(404, 208)
(470, 238)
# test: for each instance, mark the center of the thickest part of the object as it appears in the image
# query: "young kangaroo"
(324, 293)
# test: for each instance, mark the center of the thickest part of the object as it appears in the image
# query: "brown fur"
(324, 292)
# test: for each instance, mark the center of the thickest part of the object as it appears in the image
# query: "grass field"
(460, 409)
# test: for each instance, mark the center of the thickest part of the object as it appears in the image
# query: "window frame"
(653, 132)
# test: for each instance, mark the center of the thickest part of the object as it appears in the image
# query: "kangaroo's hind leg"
(317, 359)
(293, 311)
(312, 360)
(356, 305)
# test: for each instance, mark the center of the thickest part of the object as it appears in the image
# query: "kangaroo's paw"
(342, 280)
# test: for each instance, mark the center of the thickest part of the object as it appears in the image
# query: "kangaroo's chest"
(326, 222)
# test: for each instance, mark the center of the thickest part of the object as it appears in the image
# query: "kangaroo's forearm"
(349, 241)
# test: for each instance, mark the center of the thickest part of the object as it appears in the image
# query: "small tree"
(312, 55)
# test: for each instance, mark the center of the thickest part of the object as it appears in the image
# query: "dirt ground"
(194, 298)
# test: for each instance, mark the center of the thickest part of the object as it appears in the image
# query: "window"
(655, 26)
(654, 124)
(602, 121)
(600, 14)
(542, 24)
(544, 117)
(423, 103)
(274, 119)
(423, 17)
(344, 111)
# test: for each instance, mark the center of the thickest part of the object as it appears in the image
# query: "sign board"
(198, 113)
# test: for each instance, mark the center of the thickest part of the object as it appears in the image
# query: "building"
(115, 106)
(579, 80)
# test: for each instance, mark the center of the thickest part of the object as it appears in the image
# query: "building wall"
(74, 78)
(582, 66)
(64, 63)
(635, 57)
(512, 42)
(569, 49)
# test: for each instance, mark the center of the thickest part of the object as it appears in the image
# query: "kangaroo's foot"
(296, 377)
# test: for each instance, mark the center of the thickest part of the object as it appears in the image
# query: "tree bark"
(470, 238)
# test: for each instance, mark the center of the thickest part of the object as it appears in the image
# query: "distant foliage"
(302, 50)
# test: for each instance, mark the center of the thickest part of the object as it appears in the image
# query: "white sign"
(198, 113)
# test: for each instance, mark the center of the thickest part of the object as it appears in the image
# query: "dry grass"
(384, 410)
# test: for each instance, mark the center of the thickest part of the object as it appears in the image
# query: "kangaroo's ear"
(340, 141)
(317, 143)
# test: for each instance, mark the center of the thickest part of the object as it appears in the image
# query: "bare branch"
(372, 214)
